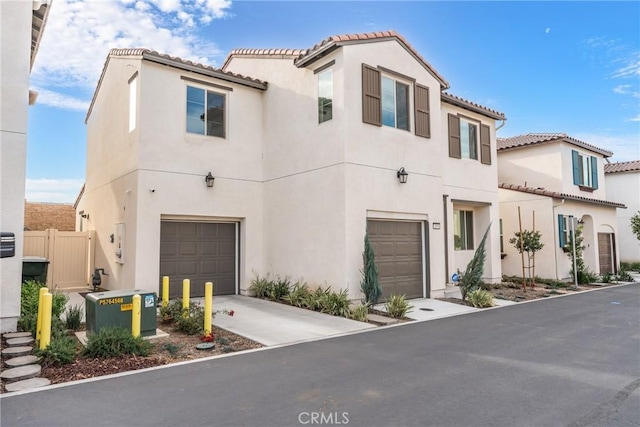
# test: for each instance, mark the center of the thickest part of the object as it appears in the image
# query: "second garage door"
(201, 252)
(398, 252)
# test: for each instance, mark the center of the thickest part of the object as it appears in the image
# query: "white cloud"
(624, 147)
(60, 100)
(635, 119)
(548, 30)
(626, 90)
(80, 33)
(53, 190)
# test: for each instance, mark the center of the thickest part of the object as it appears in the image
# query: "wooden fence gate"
(70, 255)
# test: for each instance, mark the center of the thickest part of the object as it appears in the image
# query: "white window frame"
(321, 91)
(410, 89)
(225, 110)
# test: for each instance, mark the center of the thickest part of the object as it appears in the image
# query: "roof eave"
(555, 195)
(445, 97)
(199, 70)
(37, 31)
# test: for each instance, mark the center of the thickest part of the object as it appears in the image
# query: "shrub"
(60, 351)
(359, 312)
(630, 266)
(298, 295)
(29, 298)
(261, 286)
(605, 278)
(74, 318)
(370, 286)
(335, 303)
(480, 298)
(313, 299)
(115, 341)
(278, 289)
(397, 306)
(624, 276)
(472, 276)
(191, 321)
(222, 340)
(171, 311)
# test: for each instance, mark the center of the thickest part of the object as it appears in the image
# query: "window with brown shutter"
(485, 144)
(371, 97)
(454, 136)
(423, 120)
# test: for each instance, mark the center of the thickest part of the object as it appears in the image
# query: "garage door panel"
(201, 252)
(398, 253)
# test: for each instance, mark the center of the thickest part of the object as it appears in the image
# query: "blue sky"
(570, 67)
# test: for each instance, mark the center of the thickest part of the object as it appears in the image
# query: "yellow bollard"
(39, 319)
(165, 291)
(45, 334)
(135, 317)
(186, 286)
(208, 300)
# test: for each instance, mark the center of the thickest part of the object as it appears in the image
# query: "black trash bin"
(35, 268)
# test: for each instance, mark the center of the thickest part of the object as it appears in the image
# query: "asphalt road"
(571, 361)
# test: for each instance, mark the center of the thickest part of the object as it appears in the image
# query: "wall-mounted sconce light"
(402, 175)
(209, 180)
(83, 215)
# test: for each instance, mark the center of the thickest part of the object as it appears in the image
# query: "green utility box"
(114, 308)
(34, 268)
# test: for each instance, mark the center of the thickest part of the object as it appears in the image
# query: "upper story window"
(395, 104)
(325, 95)
(386, 100)
(463, 139)
(585, 171)
(462, 230)
(205, 112)
(133, 90)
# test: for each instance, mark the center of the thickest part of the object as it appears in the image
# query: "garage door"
(200, 252)
(398, 250)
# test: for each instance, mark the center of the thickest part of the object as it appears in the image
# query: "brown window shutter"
(423, 119)
(454, 136)
(485, 145)
(371, 96)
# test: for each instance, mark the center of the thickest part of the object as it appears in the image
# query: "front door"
(606, 253)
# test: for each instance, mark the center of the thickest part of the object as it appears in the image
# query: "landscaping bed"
(177, 347)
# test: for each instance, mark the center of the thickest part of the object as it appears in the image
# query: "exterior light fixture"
(402, 175)
(209, 180)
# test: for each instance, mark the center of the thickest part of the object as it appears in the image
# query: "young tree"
(530, 244)
(370, 286)
(472, 276)
(584, 275)
(635, 225)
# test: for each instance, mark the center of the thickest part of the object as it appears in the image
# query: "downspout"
(555, 236)
(446, 239)
(504, 122)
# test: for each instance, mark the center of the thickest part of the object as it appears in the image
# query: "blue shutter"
(577, 176)
(594, 172)
(561, 231)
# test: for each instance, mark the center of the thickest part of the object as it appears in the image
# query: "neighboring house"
(354, 134)
(42, 216)
(623, 184)
(561, 179)
(21, 27)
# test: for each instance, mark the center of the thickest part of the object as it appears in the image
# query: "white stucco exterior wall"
(157, 170)
(15, 42)
(624, 187)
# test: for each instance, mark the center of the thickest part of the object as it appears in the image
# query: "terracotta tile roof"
(304, 57)
(540, 138)
(174, 61)
(557, 195)
(631, 166)
(472, 106)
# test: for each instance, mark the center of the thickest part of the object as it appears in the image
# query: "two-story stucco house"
(22, 24)
(623, 184)
(313, 150)
(559, 180)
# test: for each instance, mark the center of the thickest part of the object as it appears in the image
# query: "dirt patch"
(514, 292)
(177, 347)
